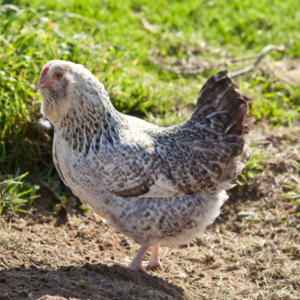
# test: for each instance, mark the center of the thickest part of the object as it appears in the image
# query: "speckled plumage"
(152, 183)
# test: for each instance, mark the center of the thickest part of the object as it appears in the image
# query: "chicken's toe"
(154, 266)
(136, 264)
(132, 266)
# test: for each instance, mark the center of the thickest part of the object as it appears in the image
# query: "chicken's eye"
(58, 75)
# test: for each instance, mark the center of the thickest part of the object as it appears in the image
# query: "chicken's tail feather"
(222, 113)
(223, 98)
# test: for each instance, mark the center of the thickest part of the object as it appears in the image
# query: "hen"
(153, 184)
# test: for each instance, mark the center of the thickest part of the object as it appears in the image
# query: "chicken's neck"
(91, 127)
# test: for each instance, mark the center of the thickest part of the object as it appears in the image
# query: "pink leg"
(136, 264)
(154, 262)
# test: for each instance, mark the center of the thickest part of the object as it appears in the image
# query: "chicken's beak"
(39, 85)
(42, 83)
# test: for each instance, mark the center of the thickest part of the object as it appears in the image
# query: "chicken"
(153, 184)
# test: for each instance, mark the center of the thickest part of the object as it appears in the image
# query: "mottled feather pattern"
(150, 220)
(188, 158)
(152, 183)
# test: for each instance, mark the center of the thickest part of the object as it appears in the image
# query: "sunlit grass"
(294, 194)
(14, 193)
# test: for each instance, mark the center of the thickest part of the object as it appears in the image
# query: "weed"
(295, 193)
(12, 192)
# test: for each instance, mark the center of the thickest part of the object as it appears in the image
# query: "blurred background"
(152, 56)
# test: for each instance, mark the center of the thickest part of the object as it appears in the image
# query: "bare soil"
(46, 256)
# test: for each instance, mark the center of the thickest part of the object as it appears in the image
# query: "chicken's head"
(65, 87)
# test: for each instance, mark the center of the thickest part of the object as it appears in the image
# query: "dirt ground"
(45, 256)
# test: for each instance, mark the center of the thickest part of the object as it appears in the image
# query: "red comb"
(45, 71)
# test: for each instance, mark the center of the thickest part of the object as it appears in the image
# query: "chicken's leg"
(136, 264)
(154, 262)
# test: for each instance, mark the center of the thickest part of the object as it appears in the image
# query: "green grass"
(253, 168)
(108, 38)
(12, 192)
(294, 194)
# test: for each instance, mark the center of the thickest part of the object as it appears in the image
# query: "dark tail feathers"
(221, 94)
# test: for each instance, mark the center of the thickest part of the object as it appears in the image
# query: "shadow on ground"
(103, 283)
